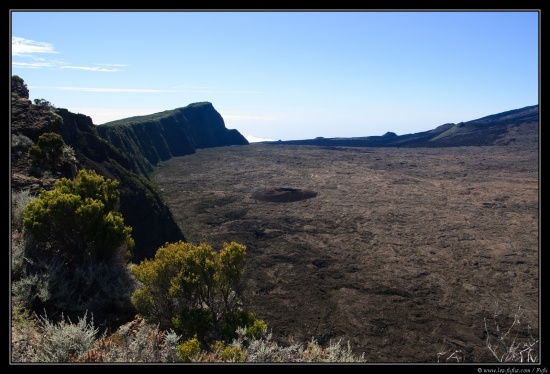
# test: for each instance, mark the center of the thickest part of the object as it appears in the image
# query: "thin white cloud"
(137, 90)
(89, 68)
(212, 91)
(100, 89)
(241, 92)
(32, 65)
(22, 46)
(194, 91)
(202, 89)
(118, 65)
(26, 48)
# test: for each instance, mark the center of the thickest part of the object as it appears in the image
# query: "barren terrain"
(403, 252)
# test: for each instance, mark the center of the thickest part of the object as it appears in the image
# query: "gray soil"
(403, 253)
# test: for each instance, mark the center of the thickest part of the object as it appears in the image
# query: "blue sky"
(284, 75)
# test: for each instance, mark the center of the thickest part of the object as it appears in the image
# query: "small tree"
(51, 153)
(48, 150)
(44, 103)
(193, 288)
(78, 219)
(76, 249)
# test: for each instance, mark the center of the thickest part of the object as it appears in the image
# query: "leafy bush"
(189, 349)
(48, 150)
(242, 318)
(78, 220)
(43, 103)
(233, 354)
(194, 288)
(75, 249)
(102, 287)
(51, 153)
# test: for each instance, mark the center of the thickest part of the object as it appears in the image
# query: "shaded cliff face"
(31, 120)
(147, 140)
(28, 122)
(126, 151)
(151, 220)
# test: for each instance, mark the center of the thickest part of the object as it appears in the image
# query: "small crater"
(283, 195)
(321, 263)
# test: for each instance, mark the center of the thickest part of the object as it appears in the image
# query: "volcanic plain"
(407, 254)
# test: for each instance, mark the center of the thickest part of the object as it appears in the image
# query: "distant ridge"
(510, 127)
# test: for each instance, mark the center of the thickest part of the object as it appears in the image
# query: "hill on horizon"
(494, 129)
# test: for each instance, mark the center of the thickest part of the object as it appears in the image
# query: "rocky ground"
(405, 253)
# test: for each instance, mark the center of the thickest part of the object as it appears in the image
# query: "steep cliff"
(147, 140)
(151, 220)
(125, 150)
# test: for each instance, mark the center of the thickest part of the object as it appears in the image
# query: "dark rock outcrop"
(19, 88)
(32, 120)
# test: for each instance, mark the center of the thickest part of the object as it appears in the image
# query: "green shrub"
(102, 287)
(43, 103)
(75, 250)
(242, 318)
(78, 219)
(234, 354)
(48, 150)
(51, 153)
(194, 322)
(189, 349)
(257, 330)
(193, 288)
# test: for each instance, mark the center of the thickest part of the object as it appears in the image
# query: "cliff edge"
(126, 150)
